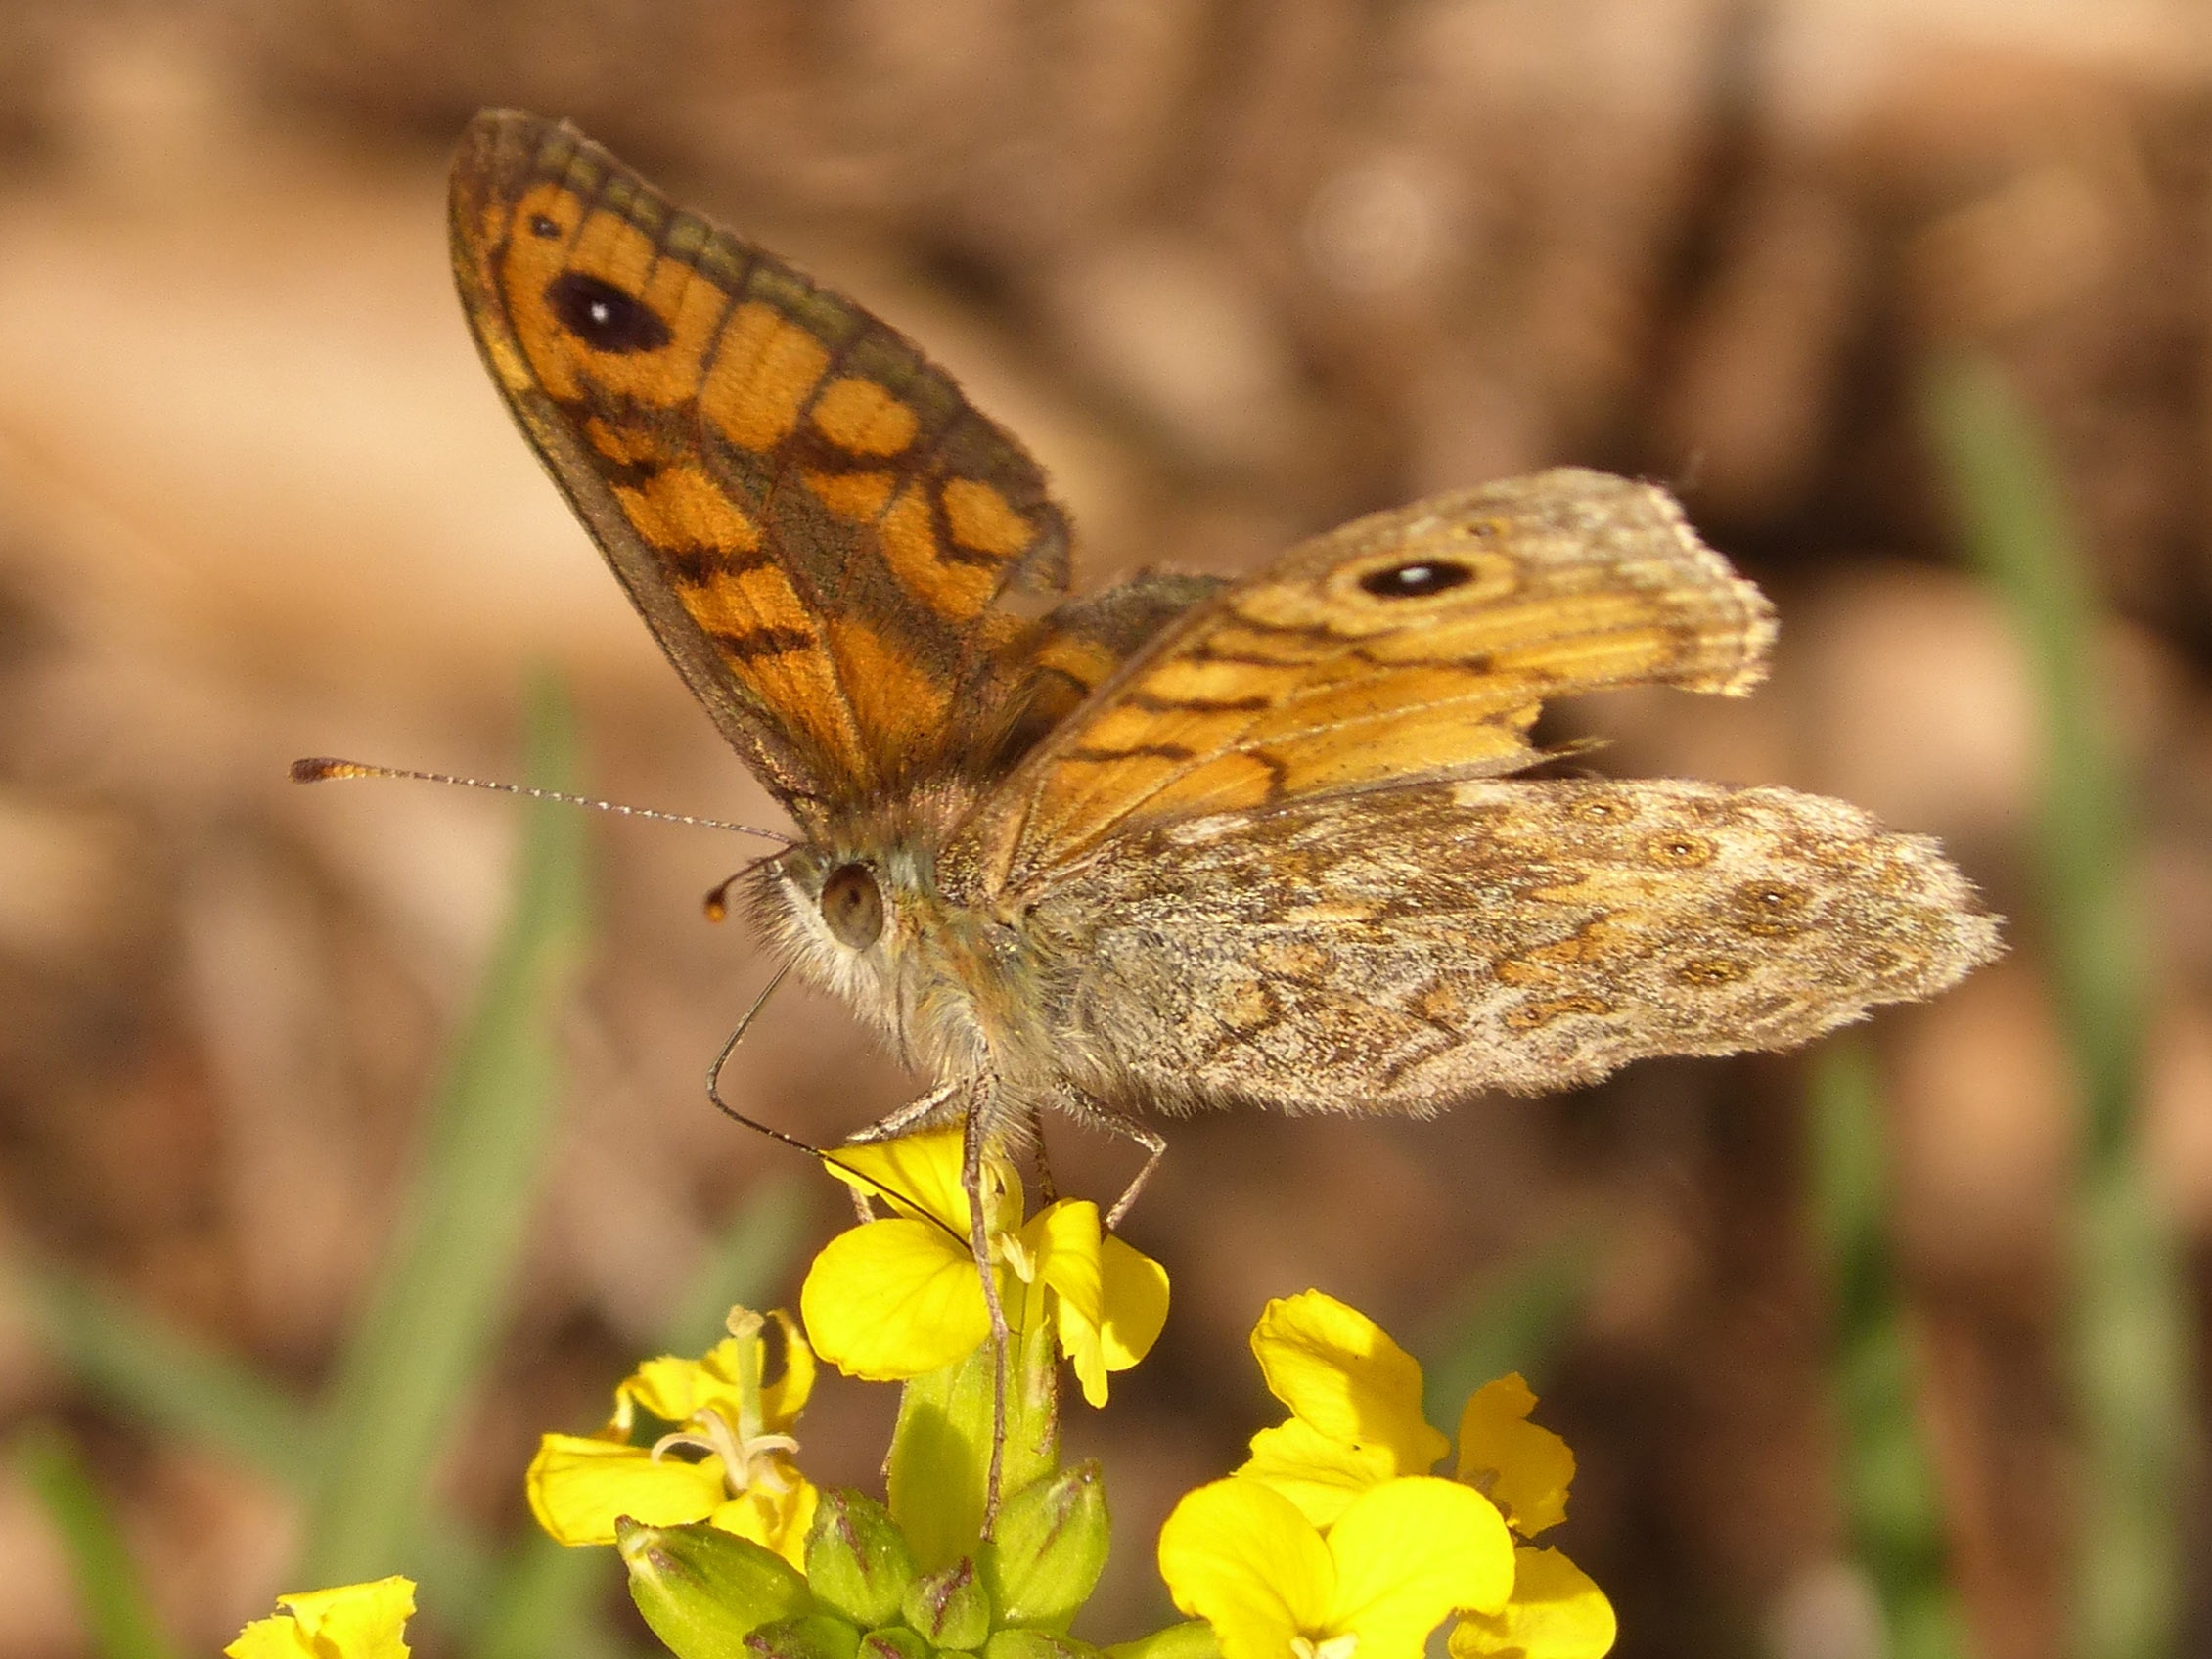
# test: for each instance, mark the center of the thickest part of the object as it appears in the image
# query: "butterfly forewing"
(1418, 642)
(817, 525)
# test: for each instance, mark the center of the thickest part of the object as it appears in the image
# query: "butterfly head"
(848, 914)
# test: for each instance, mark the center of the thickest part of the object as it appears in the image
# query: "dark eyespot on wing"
(541, 226)
(603, 316)
(1416, 579)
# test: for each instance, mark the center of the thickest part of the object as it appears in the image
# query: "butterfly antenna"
(718, 901)
(319, 768)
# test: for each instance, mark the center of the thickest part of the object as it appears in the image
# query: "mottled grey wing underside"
(1398, 950)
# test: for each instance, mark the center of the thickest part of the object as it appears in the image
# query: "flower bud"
(1038, 1644)
(857, 1562)
(810, 1636)
(893, 1641)
(1192, 1639)
(703, 1589)
(1047, 1550)
(950, 1608)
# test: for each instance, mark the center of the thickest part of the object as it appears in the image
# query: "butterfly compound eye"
(603, 316)
(1413, 580)
(853, 906)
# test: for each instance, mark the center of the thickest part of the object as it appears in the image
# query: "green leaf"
(108, 1586)
(429, 1327)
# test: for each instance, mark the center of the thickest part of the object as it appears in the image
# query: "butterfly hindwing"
(1412, 643)
(1400, 949)
(817, 525)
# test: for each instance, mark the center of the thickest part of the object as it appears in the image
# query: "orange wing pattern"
(817, 526)
(1414, 644)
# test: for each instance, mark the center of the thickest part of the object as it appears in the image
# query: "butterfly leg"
(1047, 1192)
(979, 1244)
(1155, 1146)
(914, 1114)
(917, 1113)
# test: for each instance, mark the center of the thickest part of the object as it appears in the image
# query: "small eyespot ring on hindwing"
(852, 906)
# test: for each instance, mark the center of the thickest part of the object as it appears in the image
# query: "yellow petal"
(1410, 1551)
(579, 1486)
(1337, 1371)
(919, 1175)
(1135, 1287)
(672, 1389)
(1239, 1555)
(782, 1401)
(1523, 1469)
(1317, 1475)
(1111, 1299)
(893, 1299)
(356, 1620)
(278, 1637)
(1064, 1241)
(775, 1520)
(1555, 1613)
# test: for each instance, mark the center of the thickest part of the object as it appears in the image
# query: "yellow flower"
(1355, 1399)
(360, 1621)
(899, 1297)
(1355, 1402)
(1401, 1557)
(746, 1482)
(1557, 1611)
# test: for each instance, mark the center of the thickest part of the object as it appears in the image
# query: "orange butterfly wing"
(817, 526)
(1414, 644)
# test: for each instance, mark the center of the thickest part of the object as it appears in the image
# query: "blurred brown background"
(1237, 270)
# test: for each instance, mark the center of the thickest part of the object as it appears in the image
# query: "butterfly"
(1181, 843)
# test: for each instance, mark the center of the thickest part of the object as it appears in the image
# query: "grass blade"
(1511, 1321)
(114, 1602)
(169, 1380)
(431, 1324)
(542, 1604)
(2130, 1316)
(1893, 1510)
(747, 1264)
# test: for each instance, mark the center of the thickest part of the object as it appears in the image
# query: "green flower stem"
(941, 1448)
